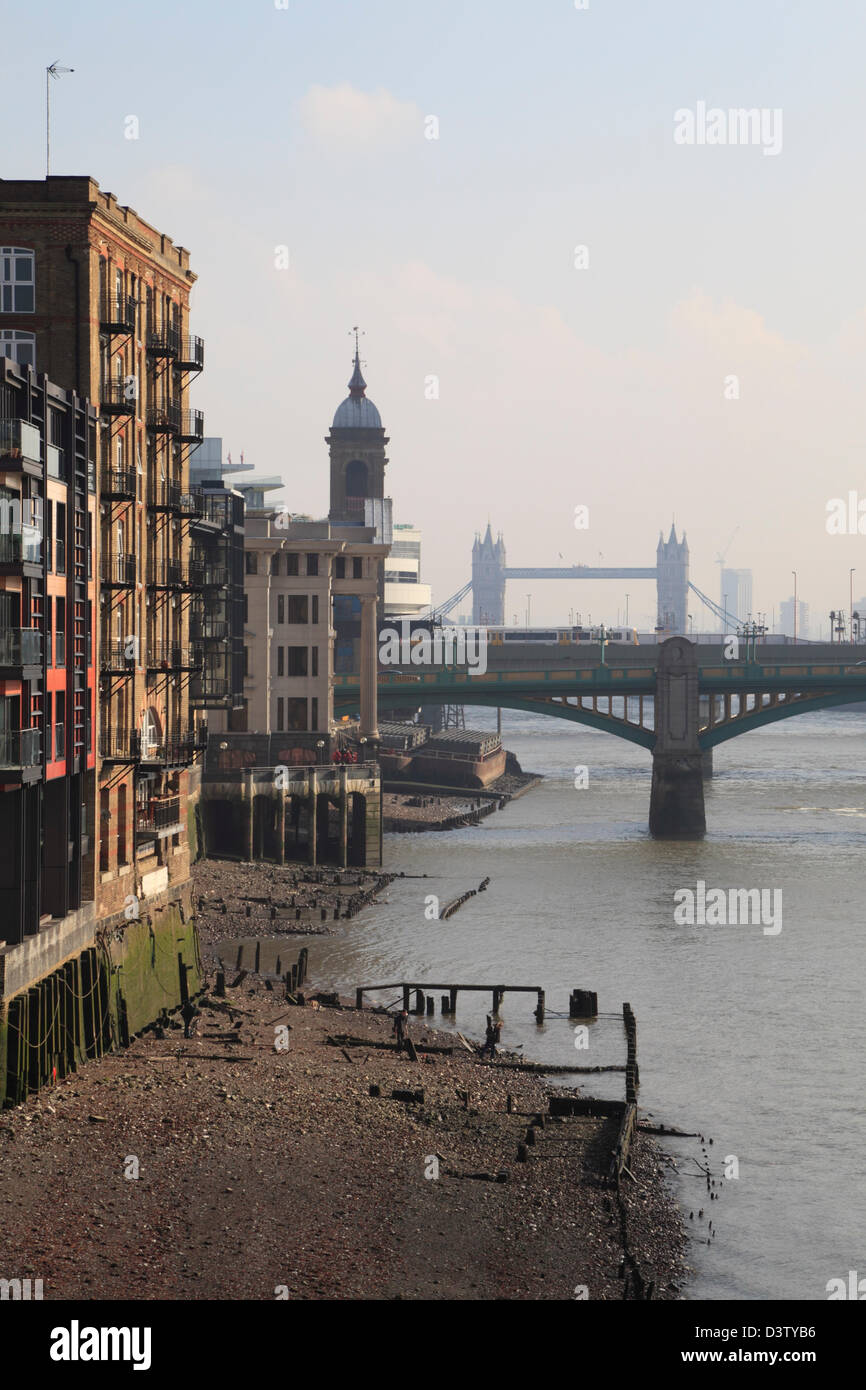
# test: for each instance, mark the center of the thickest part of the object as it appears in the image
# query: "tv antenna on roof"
(54, 71)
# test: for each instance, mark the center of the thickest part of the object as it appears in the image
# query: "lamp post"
(851, 603)
(794, 572)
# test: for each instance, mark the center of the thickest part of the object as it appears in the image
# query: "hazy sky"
(606, 385)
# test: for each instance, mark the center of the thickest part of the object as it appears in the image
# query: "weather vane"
(357, 330)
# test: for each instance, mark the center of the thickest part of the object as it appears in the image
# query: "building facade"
(48, 601)
(405, 594)
(99, 300)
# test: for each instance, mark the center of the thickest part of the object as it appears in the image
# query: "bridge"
(490, 572)
(676, 699)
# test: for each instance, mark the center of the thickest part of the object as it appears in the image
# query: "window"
(292, 564)
(357, 568)
(281, 608)
(315, 617)
(312, 564)
(17, 280)
(298, 608)
(104, 818)
(315, 659)
(296, 714)
(280, 660)
(246, 661)
(314, 715)
(340, 567)
(251, 561)
(297, 661)
(275, 562)
(21, 347)
(122, 857)
(49, 742)
(280, 725)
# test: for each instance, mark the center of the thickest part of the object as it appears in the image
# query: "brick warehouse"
(98, 300)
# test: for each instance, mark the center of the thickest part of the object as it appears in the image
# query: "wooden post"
(258, 957)
(452, 1007)
(294, 979)
(445, 1004)
(539, 1012)
(281, 826)
(359, 999)
(302, 965)
(431, 1004)
(220, 990)
(419, 1001)
(406, 999)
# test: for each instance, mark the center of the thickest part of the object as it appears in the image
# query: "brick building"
(99, 300)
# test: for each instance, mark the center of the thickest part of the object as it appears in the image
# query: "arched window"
(356, 479)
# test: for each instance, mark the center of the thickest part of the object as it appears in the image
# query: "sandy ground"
(266, 1172)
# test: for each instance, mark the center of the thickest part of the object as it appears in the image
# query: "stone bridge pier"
(677, 796)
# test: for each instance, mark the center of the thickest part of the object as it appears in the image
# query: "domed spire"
(357, 410)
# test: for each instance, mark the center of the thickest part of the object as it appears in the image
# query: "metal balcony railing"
(20, 646)
(19, 443)
(167, 574)
(206, 629)
(191, 426)
(118, 484)
(119, 746)
(172, 657)
(117, 314)
(21, 547)
(118, 571)
(118, 397)
(163, 419)
(203, 576)
(209, 687)
(113, 658)
(164, 343)
(20, 748)
(159, 813)
(190, 357)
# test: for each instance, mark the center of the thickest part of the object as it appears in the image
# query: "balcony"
(59, 742)
(165, 343)
(117, 314)
(118, 571)
(113, 660)
(174, 750)
(118, 397)
(20, 447)
(204, 629)
(190, 357)
(55, 464)
(159, 817)
(209, 689)
(21, 547)
(19, 647)
(164, 497)
(20, 752)
(167, 574)
(118, 485)
(163, 419)
(119, 746)
(168, 657)
(202, 576)
(60, 648)
(191, 430)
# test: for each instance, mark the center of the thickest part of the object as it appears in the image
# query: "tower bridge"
(491, 572)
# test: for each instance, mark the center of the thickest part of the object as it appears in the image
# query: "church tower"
(672, 580)
(357, 448)
(488, 580)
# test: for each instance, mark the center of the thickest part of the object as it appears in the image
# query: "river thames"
(752, 1037)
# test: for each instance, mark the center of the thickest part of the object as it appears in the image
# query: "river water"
(750, 1037)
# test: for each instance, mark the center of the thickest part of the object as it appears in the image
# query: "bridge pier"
(677, 795)
(707, 763)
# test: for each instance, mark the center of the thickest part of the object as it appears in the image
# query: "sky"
(700, 359)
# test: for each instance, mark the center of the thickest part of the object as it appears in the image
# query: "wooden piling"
(220, 988)
(539, 1010)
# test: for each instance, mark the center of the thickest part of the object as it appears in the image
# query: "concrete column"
(344, 818)
(247, 805)
(281, 826)
(677, 796)
(312, 803)
(369, 652)
(707, 763)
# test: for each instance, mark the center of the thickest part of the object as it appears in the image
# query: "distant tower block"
(672, 561)
(488, 580)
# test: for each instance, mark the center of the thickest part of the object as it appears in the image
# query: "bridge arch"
(771, 714)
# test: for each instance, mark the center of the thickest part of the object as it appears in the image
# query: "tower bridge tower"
(672, 581)
(488, 579)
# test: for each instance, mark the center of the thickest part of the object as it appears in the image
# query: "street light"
(851, 598)
(794, 572)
